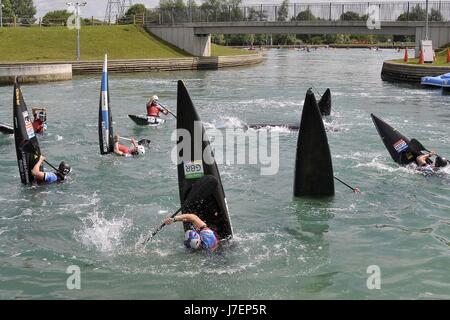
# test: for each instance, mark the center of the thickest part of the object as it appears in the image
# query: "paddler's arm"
(422, 160)
(117, 151)
(187, 217)
(36, 172)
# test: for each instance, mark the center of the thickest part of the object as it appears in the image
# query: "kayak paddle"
(201, 189)
(142, 142)
(167, 110)
(27, 147)
(416, 145)
(355, 190)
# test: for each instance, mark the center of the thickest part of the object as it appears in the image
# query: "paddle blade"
(144, 142)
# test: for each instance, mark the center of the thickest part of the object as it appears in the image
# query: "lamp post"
(77, 22)
(426, 21)
(1, 14)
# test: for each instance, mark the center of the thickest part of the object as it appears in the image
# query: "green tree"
(136, 9)
(7, 9)
(305, 15)
(57, 17)
(257, 15)
(24, 10)
(352, 16)
(416, 14)
(435, 15)
(283, 11)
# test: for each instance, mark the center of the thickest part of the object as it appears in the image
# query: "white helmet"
(154, 98)
(192, 239)
(140, 150)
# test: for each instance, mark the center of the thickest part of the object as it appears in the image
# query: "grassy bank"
(59, 44)
(441, 60)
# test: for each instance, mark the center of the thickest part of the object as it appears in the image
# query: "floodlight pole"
(77, 23)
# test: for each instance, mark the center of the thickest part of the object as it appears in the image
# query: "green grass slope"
(36, 44)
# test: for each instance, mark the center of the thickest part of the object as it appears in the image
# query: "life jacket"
(153, 110)
(124, 149)
(38, 126)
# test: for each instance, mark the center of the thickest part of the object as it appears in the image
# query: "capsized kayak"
(396, 143)
(325, 103)
(313, 174)
(6, 129)
(27, 144)
(105, 124)
(198, 163)
(143, 120)
(438, 81)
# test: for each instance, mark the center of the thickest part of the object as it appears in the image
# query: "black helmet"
(440, 162)
(64, 168)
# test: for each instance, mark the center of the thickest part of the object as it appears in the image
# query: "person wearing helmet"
(122, 150)
(50, 177)
(153, 109)
(200, 237)
(425, 164)
(40, 120)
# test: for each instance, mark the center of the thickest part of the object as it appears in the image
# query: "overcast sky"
(97, 8)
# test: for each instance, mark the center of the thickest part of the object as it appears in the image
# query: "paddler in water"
(50, 177)
(122, 150)
(40, 120)
(153, 110)
(425, 164)
(200, 236)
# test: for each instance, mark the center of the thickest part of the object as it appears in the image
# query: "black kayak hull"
(193, 165)
(6, 129)
(325, 103)
(313, 165)
(26, 142)
(396, 143)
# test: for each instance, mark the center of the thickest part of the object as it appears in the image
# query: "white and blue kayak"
(439, 81)
(105, 125)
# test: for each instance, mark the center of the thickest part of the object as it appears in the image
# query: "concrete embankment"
(400, 72)
(35, 72)
(174, 64)
(41, 72)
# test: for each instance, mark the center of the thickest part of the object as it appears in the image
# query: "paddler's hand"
(432, 153)
(166, 112)
(356, 190)
(42, 158)
(169, 220)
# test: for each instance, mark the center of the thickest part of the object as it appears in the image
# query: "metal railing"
(331, 11)
(22, 21)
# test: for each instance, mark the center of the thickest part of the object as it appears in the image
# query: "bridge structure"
(190, 29)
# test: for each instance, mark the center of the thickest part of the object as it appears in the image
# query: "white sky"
(97, 8)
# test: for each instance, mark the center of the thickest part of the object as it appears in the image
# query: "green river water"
(283, 248)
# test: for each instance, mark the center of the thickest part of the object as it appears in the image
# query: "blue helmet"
(192, 239)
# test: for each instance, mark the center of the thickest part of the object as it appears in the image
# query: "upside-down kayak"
(105, 124)
(396, 143)
(143, 120)
(313, 165)
(27, 144)
(6, 129)
(196, 163)
(325, 103)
